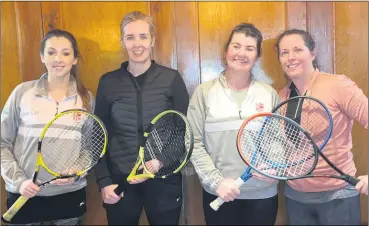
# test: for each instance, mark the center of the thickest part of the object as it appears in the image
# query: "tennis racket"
(165, 149)
(69, 146)
(264, 136)
(293, 156)
(311, 113)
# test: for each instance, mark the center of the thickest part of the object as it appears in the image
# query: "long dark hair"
(81, 89)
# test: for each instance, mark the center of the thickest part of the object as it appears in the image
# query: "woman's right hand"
(228, 190)
(29, 189)
(109, 196)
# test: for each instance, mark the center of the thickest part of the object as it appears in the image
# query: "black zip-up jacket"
(126, 105)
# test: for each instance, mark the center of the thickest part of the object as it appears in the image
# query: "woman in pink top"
(322, 201)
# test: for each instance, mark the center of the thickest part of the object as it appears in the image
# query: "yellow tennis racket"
(69, 146)
(166, 147)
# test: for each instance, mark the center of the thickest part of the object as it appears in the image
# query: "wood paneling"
(296, 15)
(187, 38)
(191, 38)
(10, 73)
(29, 37)
(351, 42)
(320, 25)
(164, 17)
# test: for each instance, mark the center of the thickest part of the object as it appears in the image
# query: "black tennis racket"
(166, 148)
(284, 151)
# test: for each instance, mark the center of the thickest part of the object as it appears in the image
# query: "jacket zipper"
(57, 108)
(139, 113)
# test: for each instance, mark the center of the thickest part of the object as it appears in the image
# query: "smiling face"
(58, 57)
(138, 41)
(241, 53)
(295, 57)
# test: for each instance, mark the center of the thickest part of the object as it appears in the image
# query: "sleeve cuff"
(106, 181)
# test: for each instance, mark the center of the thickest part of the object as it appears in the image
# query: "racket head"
(311, 114)
(168, 144)
(276, 146)
(71, 144)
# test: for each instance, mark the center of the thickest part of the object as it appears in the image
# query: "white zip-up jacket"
(215, 118)
(26, 112)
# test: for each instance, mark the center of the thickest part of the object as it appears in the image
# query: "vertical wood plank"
(29, 30)
(296, 15)
(351, 39)
(165, 45)
(51, 16)
(320, 25)
(10, 71)
(187, 39)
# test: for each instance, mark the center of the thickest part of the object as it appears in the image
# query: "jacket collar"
(152, 72)
(41, 88)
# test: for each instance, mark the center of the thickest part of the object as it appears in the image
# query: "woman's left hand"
(362, 186)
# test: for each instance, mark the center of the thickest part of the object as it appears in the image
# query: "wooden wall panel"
(10, 73)
(320, 24)
(296, 15)
(29, 30)
(164, 17)
(191, 38)
(351, 42)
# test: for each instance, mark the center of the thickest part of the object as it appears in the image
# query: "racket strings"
(312, 116)
(78, 146)
(167, 145)
(277, 147)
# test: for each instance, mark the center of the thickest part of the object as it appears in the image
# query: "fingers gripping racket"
(166, 147)
(69, 146)
(261, 141)
(307, 111)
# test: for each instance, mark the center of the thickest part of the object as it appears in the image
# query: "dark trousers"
(161, 198)
(336, 212)
(68, 207)
(241, 211)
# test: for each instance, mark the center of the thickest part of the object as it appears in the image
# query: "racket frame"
(290, 121)
(141, 152)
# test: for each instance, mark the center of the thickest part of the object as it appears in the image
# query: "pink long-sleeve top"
(346, 102)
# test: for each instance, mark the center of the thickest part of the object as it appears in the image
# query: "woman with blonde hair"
(127, 100)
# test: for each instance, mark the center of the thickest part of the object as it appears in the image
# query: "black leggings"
(161, 198)
(241, 211)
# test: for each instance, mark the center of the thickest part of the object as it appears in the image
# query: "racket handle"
(8, 215)
(352, 180)
(219, 201)
(118, 190)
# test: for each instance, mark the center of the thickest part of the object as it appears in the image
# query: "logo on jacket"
(259, 107)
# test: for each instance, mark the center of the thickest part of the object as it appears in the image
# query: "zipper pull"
(57, 108)
(239, 113)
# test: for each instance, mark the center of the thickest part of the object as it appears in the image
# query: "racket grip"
(352, 180)
(219, 201)
(118, 190)
(8, 215)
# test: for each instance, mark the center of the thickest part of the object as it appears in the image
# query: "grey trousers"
(336, 212)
